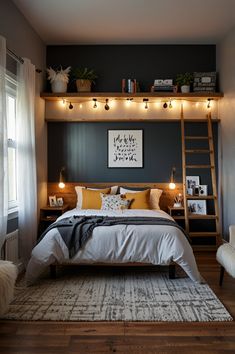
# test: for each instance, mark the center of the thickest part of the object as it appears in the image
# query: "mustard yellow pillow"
(91, 199)
(140, 199)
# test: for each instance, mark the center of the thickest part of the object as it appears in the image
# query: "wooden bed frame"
(70, 198)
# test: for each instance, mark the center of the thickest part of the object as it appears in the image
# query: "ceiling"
(129, 21)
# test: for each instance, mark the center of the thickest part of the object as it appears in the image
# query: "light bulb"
(165, 105)
(70, 106)
(209, 103)
(95, 103)
(145, 100)
(128, 102)
(106, 107)
(61, 185)
(172, 185)
(63, 102)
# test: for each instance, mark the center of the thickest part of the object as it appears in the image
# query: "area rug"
(105, 296)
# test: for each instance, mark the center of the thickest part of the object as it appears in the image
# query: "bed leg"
(53, 271)
(172, 271)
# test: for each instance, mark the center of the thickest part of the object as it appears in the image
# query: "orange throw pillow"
(141, 200)
(91, 199)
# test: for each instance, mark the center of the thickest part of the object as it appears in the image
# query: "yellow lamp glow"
(62, 179)
(172, 185)
(172, 179)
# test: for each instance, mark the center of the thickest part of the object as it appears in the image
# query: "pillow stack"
(107, 199)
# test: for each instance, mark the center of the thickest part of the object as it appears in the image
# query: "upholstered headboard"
(70, 197)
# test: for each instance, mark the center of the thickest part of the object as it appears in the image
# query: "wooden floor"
(129, 337)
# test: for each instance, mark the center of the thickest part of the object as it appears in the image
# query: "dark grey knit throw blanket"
(76, 230)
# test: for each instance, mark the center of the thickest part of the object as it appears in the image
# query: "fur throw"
(8, 274)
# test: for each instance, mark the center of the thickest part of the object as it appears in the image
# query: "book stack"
(204, 81)
(163, 85)
(129, 85)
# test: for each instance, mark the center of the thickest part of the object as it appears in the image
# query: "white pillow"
(155, 195)
(114, 202)
(78, 190)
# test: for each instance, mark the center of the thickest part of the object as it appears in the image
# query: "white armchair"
(226, 255)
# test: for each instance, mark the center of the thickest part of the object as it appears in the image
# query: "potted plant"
(84, 78)
(59, 79)
(184, 81)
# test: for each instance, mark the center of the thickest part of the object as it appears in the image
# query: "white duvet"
(153, 244)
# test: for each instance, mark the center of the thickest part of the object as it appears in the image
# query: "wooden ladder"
(211, 167)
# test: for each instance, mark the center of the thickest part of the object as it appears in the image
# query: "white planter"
(185, 89)
(58, 86)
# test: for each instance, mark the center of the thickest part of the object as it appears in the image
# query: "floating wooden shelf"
(200, 197)
(197, 217)
(203, 234)
(81, 95)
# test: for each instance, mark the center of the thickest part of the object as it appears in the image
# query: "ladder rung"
(204, 248)
(206, 234)
(198, 197)
(199, 151)
(202, 216)
(199, 166)
(194, 137)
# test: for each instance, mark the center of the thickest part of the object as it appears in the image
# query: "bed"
(117, 244)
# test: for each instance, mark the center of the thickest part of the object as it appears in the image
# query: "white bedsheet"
(154, 244)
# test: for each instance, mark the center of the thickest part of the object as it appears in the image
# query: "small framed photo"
(203, 190)
(191, 183)
(197, 207)
(60, 202)
(52, 201)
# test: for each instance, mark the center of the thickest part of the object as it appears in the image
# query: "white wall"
(25, 42)
(226, 69)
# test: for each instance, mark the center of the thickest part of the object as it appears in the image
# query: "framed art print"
(125, 148)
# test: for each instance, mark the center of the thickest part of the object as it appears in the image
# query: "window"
(11, 136)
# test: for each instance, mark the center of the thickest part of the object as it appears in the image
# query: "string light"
(128, 101)
(209, 103)
(95, 103)
(167, 104)
(145, 100)
(62, 102)
(106, 107)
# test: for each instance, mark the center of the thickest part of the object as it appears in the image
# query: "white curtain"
(3, 146)
(26, 163)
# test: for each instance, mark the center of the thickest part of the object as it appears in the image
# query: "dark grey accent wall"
(82, 149)
(143, 62)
